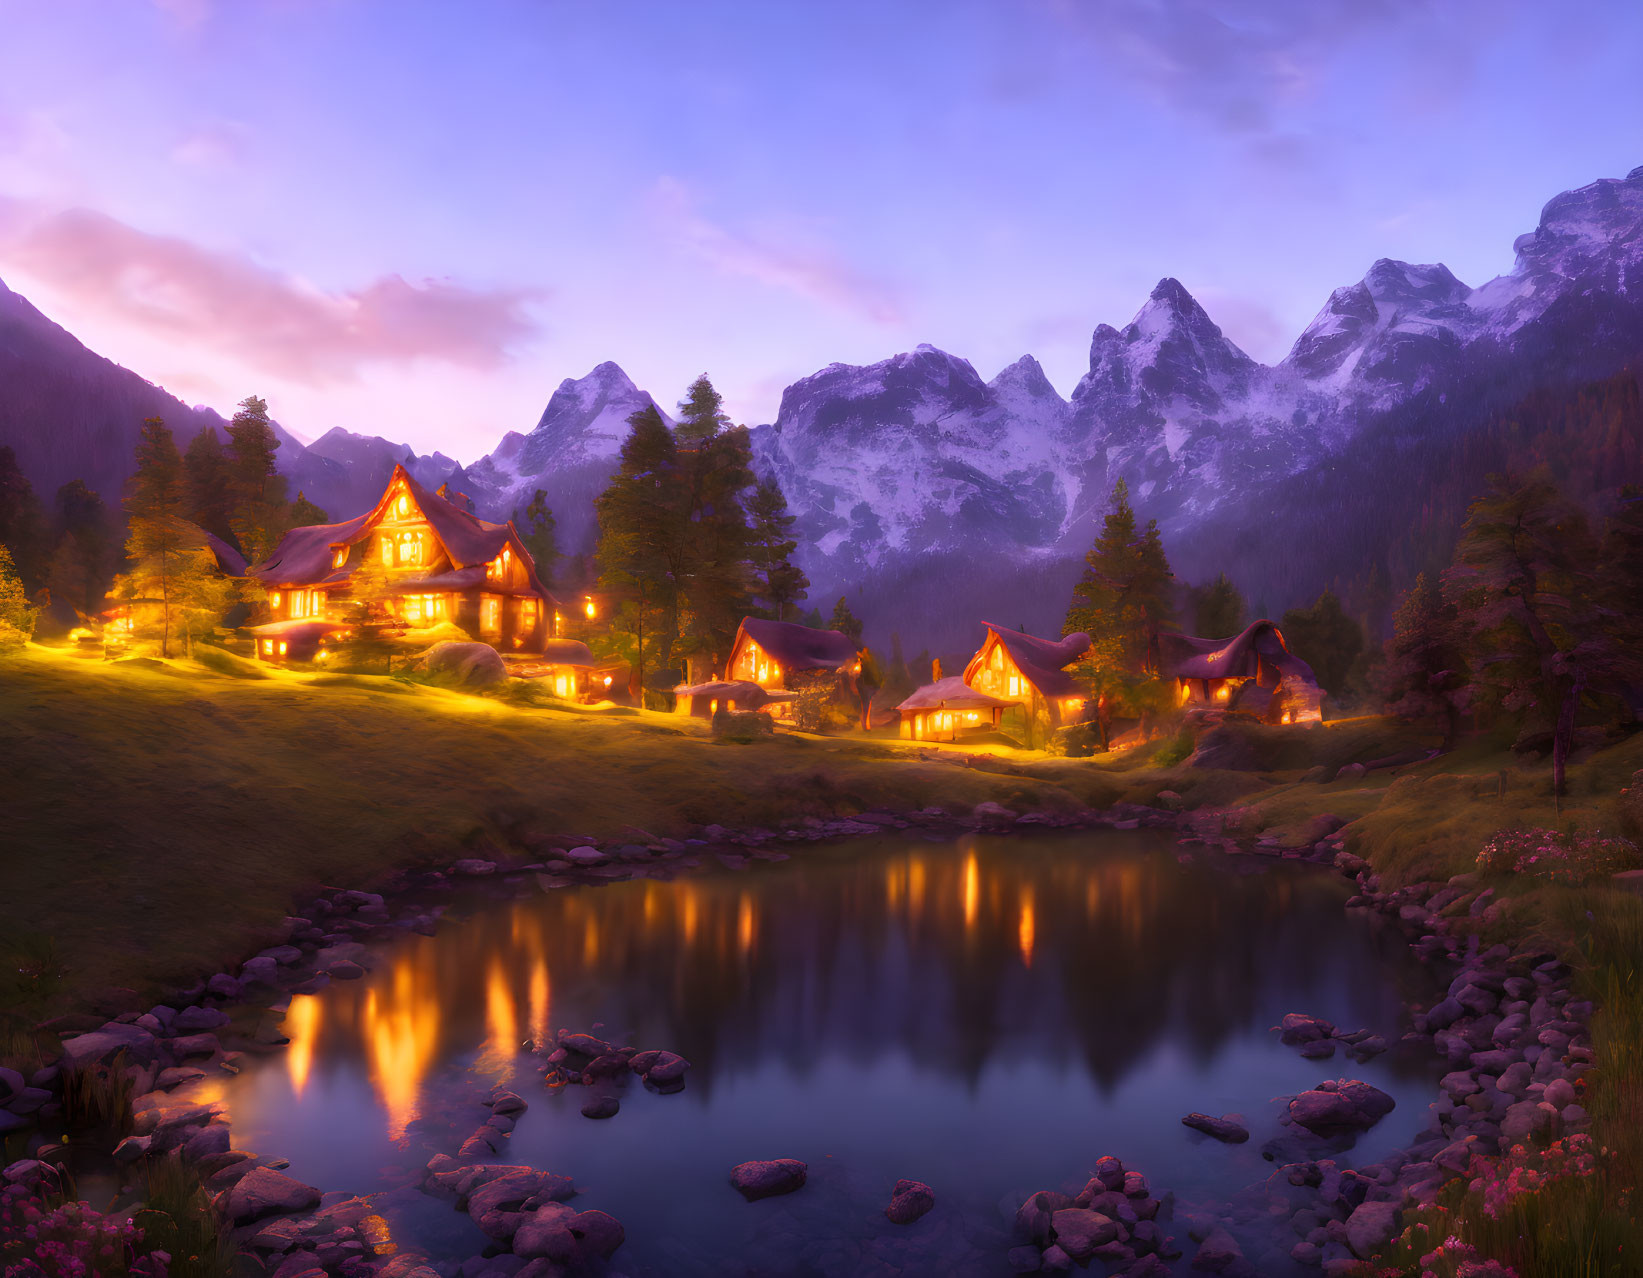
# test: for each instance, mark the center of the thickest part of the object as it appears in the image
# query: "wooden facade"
(784, 657)
(949, 709)
(442, 565)
(1023, 669)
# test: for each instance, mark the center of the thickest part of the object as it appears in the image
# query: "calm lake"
(989, 1016)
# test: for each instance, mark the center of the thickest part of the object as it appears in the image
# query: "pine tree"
(713, 563)
(1218, 609)
(1122, 602)
(208, 485)
(367, 618)
(16, 614)
(157, 545)
(1326, 638)
(1425, 675)
(846, 622)
(304, 513)
(82, 565)
(538, 531)
(259, 516)
(1526, 577)
(701, 413)
(782, 583)
(22, 529)
(637, 529)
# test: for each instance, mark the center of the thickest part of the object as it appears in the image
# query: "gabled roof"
(1039, 660)
(303, 556)
(228, 559)
(952, 693)
(796, 647)
(1188, 657)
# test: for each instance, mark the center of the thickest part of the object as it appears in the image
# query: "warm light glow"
(282, 649)
(539, 1001)
(273, 599)
(501, 1024)
(1223, 692)
(1026, 930)
(401, 1037)
(402, 506)
(744, 924)
(607, 681)
(323, 655)
(1015, 685)
(339, 557)
(972, 889)
(302, 1020)
(588, 608)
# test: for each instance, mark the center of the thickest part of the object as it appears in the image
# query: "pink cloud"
(811, 272)
(231, 304)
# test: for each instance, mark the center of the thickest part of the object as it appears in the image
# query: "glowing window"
(339, 556)
(387, 551)
(490, 613)
(268, 647)
(527, 614)
(282, 649)
(588, 607)
(273, 599)
(413, 607)
(403, 505)
(1015, 685)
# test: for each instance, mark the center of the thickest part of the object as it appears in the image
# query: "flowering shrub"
(1503, 1182)
(71, 1240)
(1558, 857)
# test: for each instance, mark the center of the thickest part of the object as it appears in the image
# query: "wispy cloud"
(1242, 63)
(232, 304)
(807, 270)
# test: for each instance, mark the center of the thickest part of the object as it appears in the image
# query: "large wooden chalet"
(1016, 667)
(442, 564)
(778, 658)
(1253, 672)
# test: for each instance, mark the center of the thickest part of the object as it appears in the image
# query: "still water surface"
(988, 1016)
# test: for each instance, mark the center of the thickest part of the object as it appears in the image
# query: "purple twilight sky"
(413, 219)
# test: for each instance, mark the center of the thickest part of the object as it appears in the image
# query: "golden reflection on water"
(302, 1028)
(679, 962)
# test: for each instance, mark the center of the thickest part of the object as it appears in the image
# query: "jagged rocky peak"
(1025, 376)
(1403, 284)
(1395, 303)
(585, 419)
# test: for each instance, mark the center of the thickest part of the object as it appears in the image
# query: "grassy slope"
(154, 817)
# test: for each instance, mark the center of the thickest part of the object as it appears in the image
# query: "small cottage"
(702, 700)
(1253, 672)
(783, 656)
(441, 564)
(1022, 668)
(948, 708)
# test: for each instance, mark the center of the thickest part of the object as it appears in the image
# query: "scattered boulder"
(1034, 1219)
(1341, 1105)
(600, 1107)
(1079, 1231)
(1218, 1252)
(472, 665)
(1225, 1129)
(766, 1179)
(909, 1200)
(266, 1192)
(1370, 1227)
(1297, 1027)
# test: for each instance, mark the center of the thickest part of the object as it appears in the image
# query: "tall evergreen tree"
(537, 529)
(1122, 602)
(1326, 638)
(1527, 577)
(1424, 675)
(781, 583)
(845, 621)
(1218, 609)
(260, 515)
(304, 513)
(22, 529)
(83, 563)
(701, 413)
(208, 485)
(157, 545)
(637, 532)
(16, 613)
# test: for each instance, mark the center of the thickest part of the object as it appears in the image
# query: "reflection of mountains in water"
(957, 957)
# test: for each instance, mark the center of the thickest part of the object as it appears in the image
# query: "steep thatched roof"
(796, 647)
(1188, 657)
(1039, 660)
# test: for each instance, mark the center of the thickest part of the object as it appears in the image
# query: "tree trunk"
(1563, 733)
